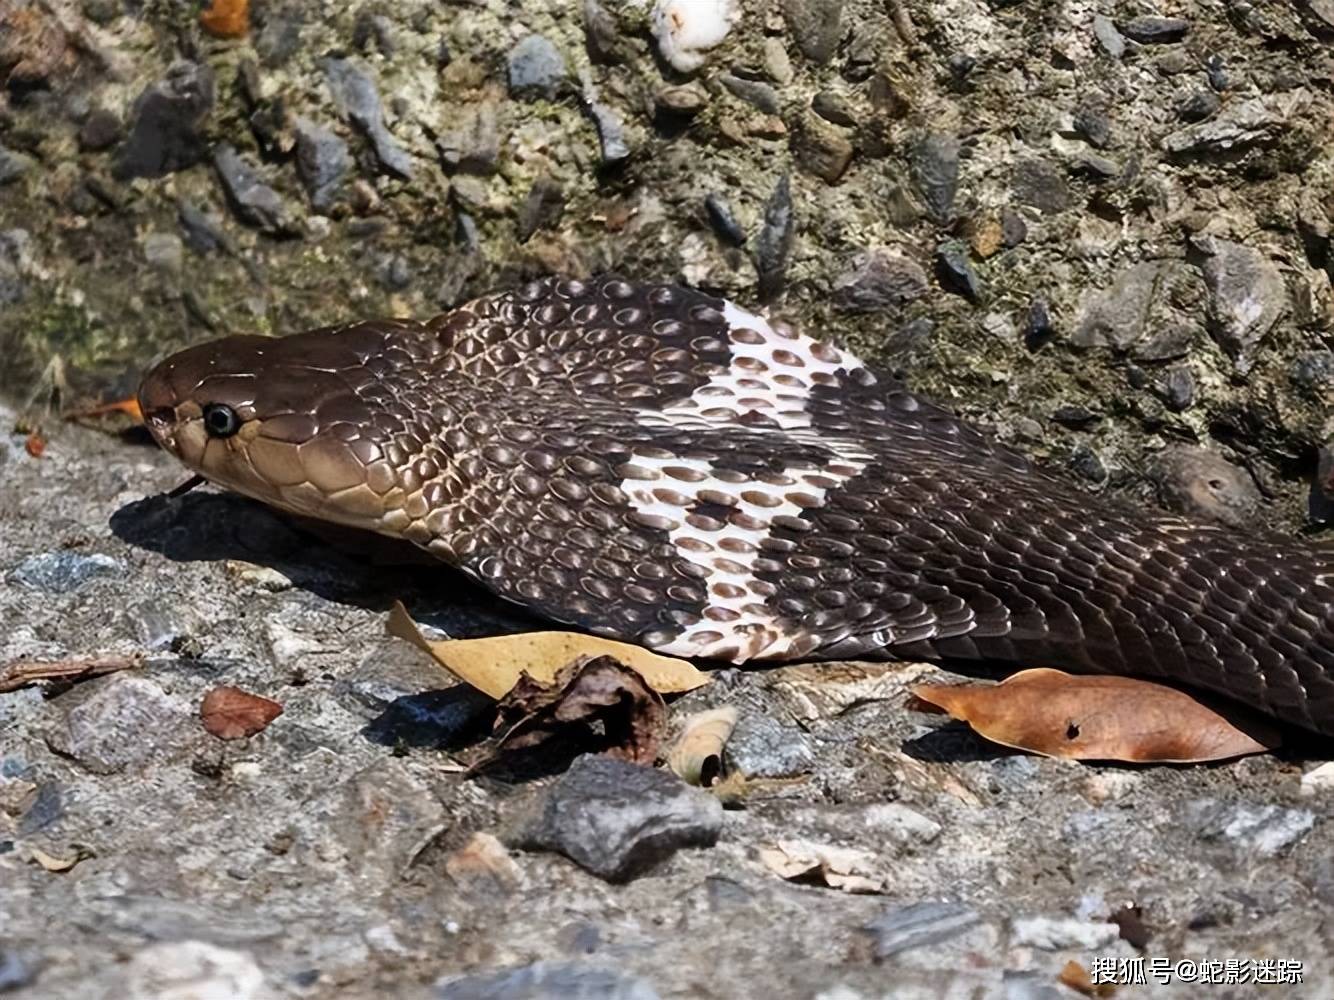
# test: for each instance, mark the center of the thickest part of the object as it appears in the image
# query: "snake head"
(298, 422)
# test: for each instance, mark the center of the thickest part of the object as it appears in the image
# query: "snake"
(651, 463)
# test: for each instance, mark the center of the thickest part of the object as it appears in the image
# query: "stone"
(1116, 316)
(1040, 184)
(13, 165)
(1111, 40)
(383, 818)
(542, 209)
(358, 101)
(117, 721)
(535, 69)
(1200, 105)
(475, 147)
(833, 107)
(763, 747)
(917, 925)
(64, 572)
(1178, 389)
(161, 918)
(1014, 230)
(164, 251)
(686, 100)
(955, 272)
(166, 124)
(1093, 123)
(900, 827)
(322, 161)
(1038, 327)
(617, 819)
(193, 970)
(1238, 126)
(821, 149)
(1150, 30)
(547, 981)
(612, 137)
(816, 26)
(1319, 780)
(1086, 462)
(775, 239)
(1200, 482)
(935, 170)
(1246, 295)
(753, 92)
(15, 971)
(879, 279)
(16, 263)
(1057, 934)
(722, 219)
(254, 202)
(203, 230)
(1254, 831)
(776, 61)
(100, 130)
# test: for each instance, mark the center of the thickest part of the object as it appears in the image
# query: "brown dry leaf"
(697, 754)
(21, 673)
(484, 867)
(1077, 978)
(588, 690)
(227, 18)
(824, 864)
(1056, 714)
(494, 665)
(232, 714)
(35, 444)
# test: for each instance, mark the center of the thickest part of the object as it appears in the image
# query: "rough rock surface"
(1103, 231)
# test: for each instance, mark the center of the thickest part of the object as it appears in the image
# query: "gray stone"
(1116, 316)
(15, 264)
(1014, 230)
(775, 239)
(542, 208)
(935, 171)
(955, 272)
(1178, 389)
(322, 161)
(548, 981)
(1246, 295)
(64, 572)
(613, 141)
(1093, 123)
(15, 971)
(761, 95)
(916, 925)
(358, 101)
(879, 279)
(204, 231)
(723, 221)
(616, 819)
(165, 132)
(1056, 933)
(833, 107)
(1090, 163)
(1200, 105)
(816, 26)
(821, 149)
(1108, 37)
(253, 201)
(161, 918)
(1150, 30)
(1041, 185)
(117, 721)
(474, 148)
(164, 251)
(1238, 126)
(1200, 482)
(762, 747)
(13, 165)
(1254, 831)
(535, 68)
(100, 130)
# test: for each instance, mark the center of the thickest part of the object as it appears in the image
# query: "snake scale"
(654, 464)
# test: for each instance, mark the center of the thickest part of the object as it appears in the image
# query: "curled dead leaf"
(697, 755)
(226, 18)
(590, 692)
(62, 862)
(1077, 978)
(1101, 717)
(232, 714)
(494, 665)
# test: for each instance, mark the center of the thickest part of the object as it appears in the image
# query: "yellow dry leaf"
(52, 863)
(842, 868)
(493, 665)
(697, 756)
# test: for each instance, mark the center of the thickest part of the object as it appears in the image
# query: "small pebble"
(536, 68)
(64, 572)
(1150, 30)
(955, 272)
(917, 925)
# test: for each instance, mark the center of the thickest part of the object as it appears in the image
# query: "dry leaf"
(483, 866)
(20, 673)
(1077, 978)
(494, 665)
(589, 690)
(823, 864)
(35, 444)
(227, 18)
(232, 714)
(697, 755)
(1097, 717)
(52, 863)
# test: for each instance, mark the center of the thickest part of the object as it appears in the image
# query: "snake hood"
(658, 465)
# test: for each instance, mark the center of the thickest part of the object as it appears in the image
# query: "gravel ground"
(326, 856)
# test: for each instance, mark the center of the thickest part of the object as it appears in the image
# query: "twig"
(21, 673)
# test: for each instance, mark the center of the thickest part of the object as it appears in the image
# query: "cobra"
(651, 463)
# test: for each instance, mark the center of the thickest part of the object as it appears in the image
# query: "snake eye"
(220, 420)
